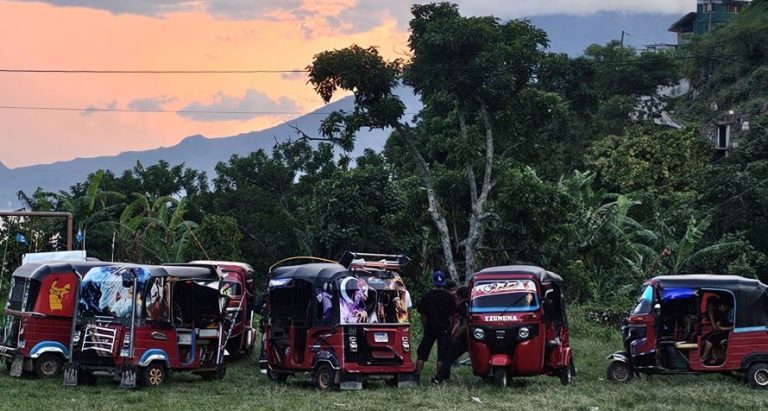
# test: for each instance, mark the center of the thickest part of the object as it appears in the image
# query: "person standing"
(437, 307)
(459, 338)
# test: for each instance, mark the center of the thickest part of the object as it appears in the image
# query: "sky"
(194, 35)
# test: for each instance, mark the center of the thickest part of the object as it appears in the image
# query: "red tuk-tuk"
(139, 323)
(342, 323)
(38, 316)
(238, 285)
(517, 324)
(686, 324)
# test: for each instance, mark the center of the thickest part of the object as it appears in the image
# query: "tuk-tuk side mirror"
(657, 308)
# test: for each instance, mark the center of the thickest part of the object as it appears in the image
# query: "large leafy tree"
(468, 69)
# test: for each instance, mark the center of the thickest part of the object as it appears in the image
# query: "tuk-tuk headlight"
(523, 332)
(478, 333)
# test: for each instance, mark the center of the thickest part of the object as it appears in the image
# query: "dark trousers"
(457, 348)
(443, 339)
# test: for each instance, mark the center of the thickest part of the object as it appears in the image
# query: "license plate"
(380, 337)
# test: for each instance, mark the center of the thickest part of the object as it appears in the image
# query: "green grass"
(245, 388)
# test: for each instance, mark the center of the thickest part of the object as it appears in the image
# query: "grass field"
(245, 388)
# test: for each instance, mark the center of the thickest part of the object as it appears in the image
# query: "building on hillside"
(709, 15)
(727, 129)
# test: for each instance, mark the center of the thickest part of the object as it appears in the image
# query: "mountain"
(197, 152)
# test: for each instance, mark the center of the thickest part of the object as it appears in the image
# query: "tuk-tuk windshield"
(103, 294)
(644, 301)
(372, 300)
(504, 295)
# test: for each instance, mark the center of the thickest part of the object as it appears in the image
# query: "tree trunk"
(434, 205)
(478, 214)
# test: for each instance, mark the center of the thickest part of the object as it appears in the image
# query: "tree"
(471, 69)
(216, 238)
(658, 160)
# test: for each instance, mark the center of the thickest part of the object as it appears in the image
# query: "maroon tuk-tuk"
(517, 324)
(685, 324)
(38, 316)
(341, 323)
(137, 324)
(238, 284)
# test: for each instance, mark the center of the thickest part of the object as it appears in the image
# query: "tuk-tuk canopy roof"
(189, 272)
(315, 273)
(541, 274)
(729, 282)
(750, 295)
(244, 266)
(39, 270)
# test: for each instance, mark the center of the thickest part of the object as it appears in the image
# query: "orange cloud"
(48, 37)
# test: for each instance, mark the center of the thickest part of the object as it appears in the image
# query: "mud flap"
(70, 374)
(17, 366)
(407, 380)
(350, 381)
(128, 376)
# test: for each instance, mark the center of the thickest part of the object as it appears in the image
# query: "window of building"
(733, 8)
(722, 136)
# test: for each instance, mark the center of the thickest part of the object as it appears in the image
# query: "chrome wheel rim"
(155, 376)
(761, 377)
(620, 373)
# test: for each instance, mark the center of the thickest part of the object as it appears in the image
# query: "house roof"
(684, 24)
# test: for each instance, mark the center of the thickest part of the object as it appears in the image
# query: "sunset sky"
(192, 35)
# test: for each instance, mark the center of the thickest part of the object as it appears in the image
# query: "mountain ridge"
(195, 151)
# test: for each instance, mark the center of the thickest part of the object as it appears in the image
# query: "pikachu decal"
(56, 295)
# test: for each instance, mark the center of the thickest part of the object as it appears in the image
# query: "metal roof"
(39, 270)
(541, 274)
(316, 273)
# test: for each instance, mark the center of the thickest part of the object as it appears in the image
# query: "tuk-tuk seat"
(684, 345)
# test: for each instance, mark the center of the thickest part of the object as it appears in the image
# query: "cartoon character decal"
(56, 295)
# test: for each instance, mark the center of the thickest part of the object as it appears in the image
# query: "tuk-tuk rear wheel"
(48, 365)
(620, 371)
(324, 377)
(567, 373)
(499, 377)
(757, 376)
(8, 363)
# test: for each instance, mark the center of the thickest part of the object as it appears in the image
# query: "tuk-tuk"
(139, 323)
(341, 323)
(238, 285)
(517, 324)
(684, 324)
(38, 316)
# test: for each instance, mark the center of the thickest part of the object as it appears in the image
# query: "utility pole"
(622, 37)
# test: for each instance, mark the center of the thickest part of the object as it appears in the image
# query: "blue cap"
(438, 278)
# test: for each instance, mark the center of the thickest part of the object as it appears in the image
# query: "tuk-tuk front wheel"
(620, 371)
(154, 374)
(567, 373)
(324, 376)
(757, 376)
(499, 376)
(276, 376)
(48, 365)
